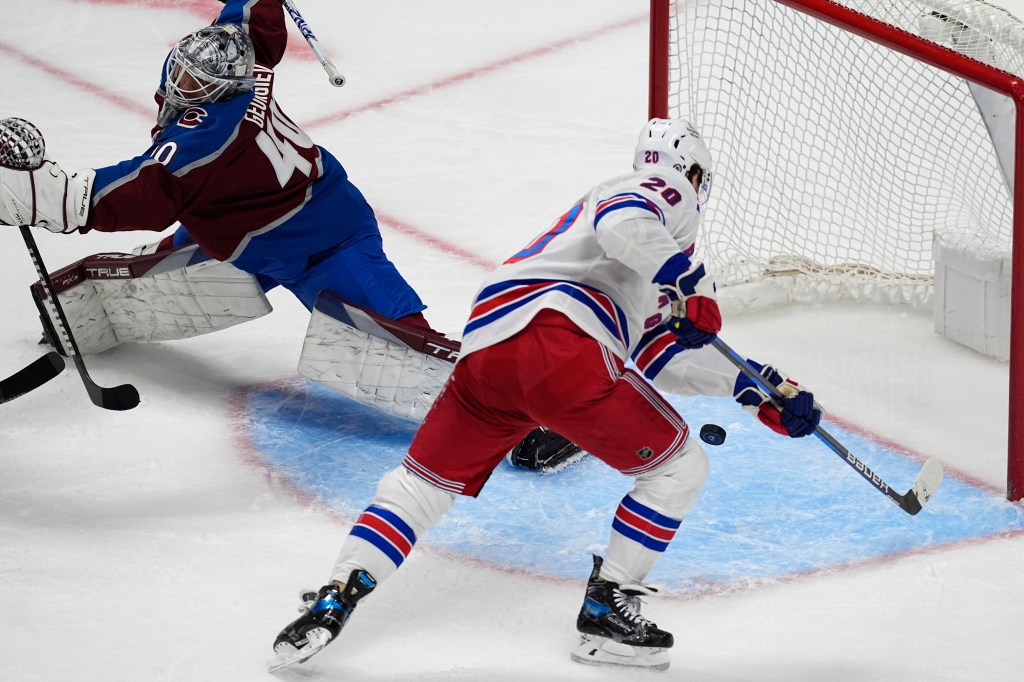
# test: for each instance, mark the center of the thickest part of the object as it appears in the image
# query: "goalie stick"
(912, 501)
(31, 377)
(123, 397)
(333, 75)
(23, 148)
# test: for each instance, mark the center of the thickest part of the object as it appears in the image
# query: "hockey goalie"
(258, 204)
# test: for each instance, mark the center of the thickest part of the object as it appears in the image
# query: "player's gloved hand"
(696, 318)
(46, 197)
(799, 414)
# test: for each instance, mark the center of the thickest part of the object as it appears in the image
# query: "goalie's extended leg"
(400, 368)
(114, 298)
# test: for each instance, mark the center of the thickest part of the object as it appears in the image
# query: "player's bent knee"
(420, 504)
(673, 487)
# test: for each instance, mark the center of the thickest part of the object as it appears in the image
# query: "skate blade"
(602, 651)
(288, 655)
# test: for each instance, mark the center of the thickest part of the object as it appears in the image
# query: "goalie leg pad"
(377, 368)
(399, 367)
(112, 298)
(83, 309)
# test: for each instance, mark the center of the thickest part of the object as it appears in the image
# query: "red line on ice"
(405, 228)
(207, 10)
(69, 78)
(484, 70)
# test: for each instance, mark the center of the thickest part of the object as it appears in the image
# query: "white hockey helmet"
(214, 63)
(677, 144)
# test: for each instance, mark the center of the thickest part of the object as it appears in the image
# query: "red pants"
(550, 374)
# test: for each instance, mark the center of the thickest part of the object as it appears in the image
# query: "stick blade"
(118, 398)
(32, 377)
(924, 487)
(928, 480)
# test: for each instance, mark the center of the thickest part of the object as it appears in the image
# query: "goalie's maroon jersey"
(248, 184)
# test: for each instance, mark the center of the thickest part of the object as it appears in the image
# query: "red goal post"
(843, 89)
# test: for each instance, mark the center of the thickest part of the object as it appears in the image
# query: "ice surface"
(169, 542)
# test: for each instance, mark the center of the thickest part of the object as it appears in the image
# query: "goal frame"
(947, 60)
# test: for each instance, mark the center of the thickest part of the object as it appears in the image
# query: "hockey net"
(845, 135)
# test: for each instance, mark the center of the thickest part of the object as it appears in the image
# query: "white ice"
(146, 545)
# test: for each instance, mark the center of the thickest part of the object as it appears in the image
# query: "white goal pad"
(375, 360)
(114, 298)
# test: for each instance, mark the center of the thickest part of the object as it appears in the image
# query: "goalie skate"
(545, 451)
(604, 651)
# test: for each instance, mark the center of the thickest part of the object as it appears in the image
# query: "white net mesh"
(835, 158)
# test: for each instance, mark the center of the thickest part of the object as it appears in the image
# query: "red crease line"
(67, 77)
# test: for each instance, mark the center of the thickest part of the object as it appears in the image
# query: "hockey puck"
(712, 434)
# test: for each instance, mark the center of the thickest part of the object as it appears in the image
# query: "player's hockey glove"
(695, 317)
(799, 414)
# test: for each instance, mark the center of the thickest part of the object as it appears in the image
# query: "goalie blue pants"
(357, 270)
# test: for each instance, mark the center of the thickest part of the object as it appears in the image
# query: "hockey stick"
(123, 397)
(333, 75)
(23, 148)
(925, 484)
(31, 377)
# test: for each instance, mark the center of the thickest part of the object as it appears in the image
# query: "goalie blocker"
(115, 298)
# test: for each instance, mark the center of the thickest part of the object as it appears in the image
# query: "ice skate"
(324, 614)
(612, 631)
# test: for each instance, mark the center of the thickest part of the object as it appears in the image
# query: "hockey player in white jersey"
(547, 342)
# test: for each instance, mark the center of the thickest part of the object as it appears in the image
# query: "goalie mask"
(677, 144)
(210, 65)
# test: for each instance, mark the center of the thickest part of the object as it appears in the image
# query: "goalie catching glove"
(696, 318)
(45, 197)
(799, 415)
(34, 191)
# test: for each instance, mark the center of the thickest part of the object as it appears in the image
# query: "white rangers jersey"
(596, 266)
